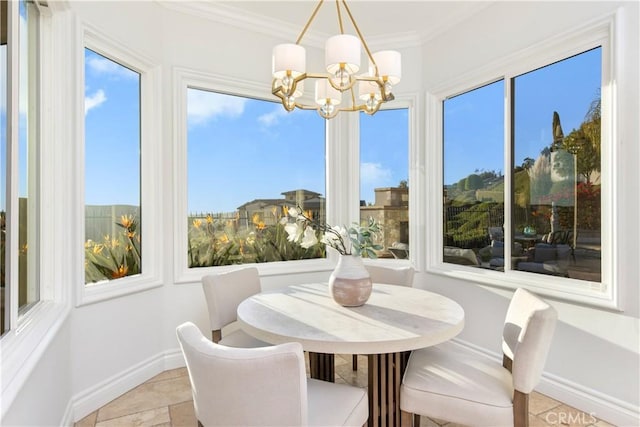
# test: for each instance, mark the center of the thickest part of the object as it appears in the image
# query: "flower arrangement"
(356, 240)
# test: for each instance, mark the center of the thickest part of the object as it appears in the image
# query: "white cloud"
(272, 118)
(204, 106)
(102, 65)
(94, 100)
(375, 174)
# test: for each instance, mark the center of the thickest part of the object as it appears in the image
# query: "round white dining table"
(394, 321)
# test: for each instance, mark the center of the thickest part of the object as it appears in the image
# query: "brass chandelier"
(364, 92)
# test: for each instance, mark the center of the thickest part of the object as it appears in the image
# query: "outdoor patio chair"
(454, 383)
(264, 386)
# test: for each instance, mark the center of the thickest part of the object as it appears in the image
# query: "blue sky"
(474, 121)
(240, 149)
(112, 132)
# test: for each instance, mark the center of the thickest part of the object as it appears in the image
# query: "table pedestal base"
(384, 380)
(322, 366)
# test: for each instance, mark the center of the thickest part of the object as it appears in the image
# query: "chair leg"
(520, 409)
(354, 362)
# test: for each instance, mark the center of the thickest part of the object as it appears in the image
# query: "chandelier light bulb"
(289, 103)
(342, 79)
(371, 103)
(327, 110)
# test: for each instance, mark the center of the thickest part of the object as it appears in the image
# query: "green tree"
(584, 143)
(473, 182)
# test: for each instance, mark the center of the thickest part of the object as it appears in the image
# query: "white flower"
(293, 230)
(293, 212)
(309, 238)
(356, 240)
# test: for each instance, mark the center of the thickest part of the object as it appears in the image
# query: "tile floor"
(165, 400)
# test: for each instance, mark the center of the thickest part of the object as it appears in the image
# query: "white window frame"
(150, 173)
(32, 331)
(183, 79)
(603, 294)
(408, 101)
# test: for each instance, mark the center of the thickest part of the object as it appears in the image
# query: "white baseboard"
(89, 400)
(607, 408)
(604, 407)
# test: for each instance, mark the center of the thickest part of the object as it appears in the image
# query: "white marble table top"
(394, 319)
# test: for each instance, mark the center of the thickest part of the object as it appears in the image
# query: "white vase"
(350, 283)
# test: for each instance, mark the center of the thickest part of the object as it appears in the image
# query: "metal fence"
(102, 220)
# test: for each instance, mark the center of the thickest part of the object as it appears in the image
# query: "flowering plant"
(355, 240)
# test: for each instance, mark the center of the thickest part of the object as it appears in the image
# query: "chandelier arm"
(309, 21)
(339, 17)
(364, 43)
(353, 96)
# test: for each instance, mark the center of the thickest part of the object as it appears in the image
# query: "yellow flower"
(115, 243)
(129, 248)
(97, 249)
(88, 244)
(197, 223)
(274, 211)
(285, 210)
(131, 234)
(127, 221)
(120, 272)
(308, 214)
(209, 219)
(224, 239)
(261, 225)
(256, 218)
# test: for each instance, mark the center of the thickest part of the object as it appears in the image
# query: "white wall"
(107, 347)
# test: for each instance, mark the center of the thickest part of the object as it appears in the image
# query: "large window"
(556, 168)
(384, 177)
(248, 161)
(551, 224)
(112, 169)
(19, 121)
(473, 178)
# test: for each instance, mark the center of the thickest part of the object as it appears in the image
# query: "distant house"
(269, 211)
(391, 211)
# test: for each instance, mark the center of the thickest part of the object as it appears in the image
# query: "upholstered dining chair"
(264, 386)
(224, 292)
(452, 383)
(402, 276)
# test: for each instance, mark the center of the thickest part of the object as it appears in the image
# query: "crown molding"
(256, 23)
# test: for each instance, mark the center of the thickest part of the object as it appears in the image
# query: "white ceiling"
(418, 20)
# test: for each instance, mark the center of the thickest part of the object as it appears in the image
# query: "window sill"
(102, 291)
(22, 347)
(191, 275)
(565, 289)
